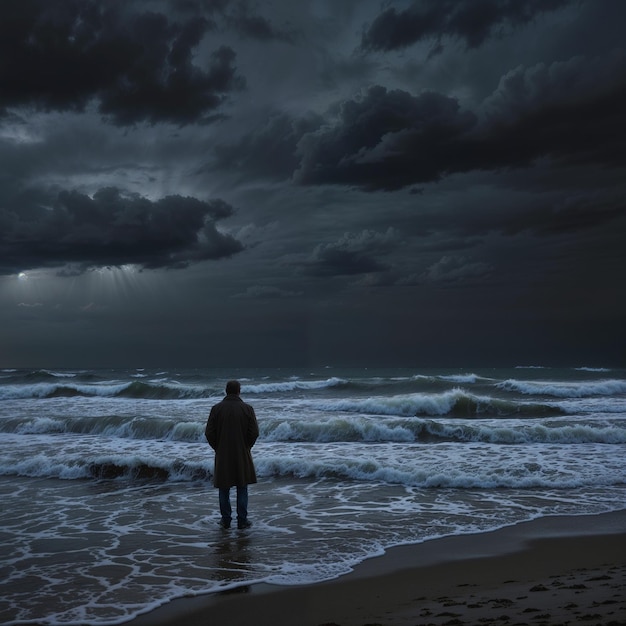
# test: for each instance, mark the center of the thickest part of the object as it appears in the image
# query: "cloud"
(454, 269)
(470, 21)
(269, 151)
(138, 66)
(352, 254)
(573, 214)
(570, 112)
(113, 229)
(386, 140)
(252, 26)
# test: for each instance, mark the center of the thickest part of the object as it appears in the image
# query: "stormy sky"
(322, 182)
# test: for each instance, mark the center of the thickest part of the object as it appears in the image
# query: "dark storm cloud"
(239, 17)
(570, 216)
(269, 151)
(113, 229)
(60, 55)
(571, 112)
(386, 140)
(470, 21)
(352, 254)
(451, 269)
(248, 24)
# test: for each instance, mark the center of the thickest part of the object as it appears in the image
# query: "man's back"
(231, 431)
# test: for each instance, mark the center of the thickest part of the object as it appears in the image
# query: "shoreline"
(552, 570)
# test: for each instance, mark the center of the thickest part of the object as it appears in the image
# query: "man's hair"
(233, 387)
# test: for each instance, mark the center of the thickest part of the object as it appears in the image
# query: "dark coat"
(231, 431)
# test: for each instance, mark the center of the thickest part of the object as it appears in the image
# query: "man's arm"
(210, 432)
(253, 429)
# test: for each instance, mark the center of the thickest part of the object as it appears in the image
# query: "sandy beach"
(555, 570)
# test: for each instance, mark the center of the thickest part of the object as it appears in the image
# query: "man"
(231, 431)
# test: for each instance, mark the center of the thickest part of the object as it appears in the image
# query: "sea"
(108, 508)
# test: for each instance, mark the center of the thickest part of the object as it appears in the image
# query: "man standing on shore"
(231, 431)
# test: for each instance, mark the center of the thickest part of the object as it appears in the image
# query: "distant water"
(105, 477)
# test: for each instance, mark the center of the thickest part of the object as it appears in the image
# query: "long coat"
(231, 431)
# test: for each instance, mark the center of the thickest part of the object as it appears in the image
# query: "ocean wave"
(157, 390)
(119, 466)
(453, 403)
(161, 385)
(141, 467)
(294, 385)
(522, 476)
(30, 377)
(140, 428)
(333, 428)
(432, 431)
(461, 378)
(578, 389)
(42, 384)
(55, 390)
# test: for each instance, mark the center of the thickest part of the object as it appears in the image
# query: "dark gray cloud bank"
(112, 229)
(215, 183)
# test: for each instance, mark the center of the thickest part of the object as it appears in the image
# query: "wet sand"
(557, 570)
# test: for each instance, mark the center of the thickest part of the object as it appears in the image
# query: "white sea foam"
(452, 464)
(408, 404)
(461, 378)
(292, 385)
(43, 390)
(316, 421)
(60, 374)
(576, 389)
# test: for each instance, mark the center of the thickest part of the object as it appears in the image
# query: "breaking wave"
(323, 427)
(138, 467)
(453, 403)
(578, 389)
(135, 389)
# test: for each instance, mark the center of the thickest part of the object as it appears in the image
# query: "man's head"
(233, 387)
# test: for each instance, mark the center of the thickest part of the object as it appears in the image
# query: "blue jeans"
(242, 504)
